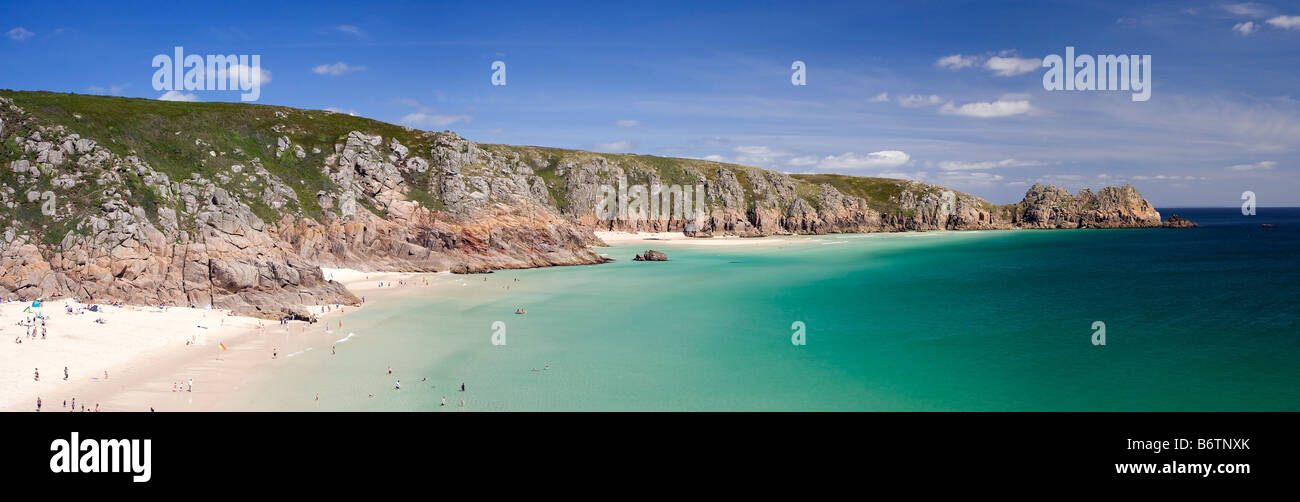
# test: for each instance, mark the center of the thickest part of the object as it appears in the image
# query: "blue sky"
(943, 92)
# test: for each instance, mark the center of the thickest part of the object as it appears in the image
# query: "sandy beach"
(148, 351)
(678, 238)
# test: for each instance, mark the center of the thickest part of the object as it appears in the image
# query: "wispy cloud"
(1246, 28)
(336, 69)
(19, 34)
(426, 117)
(917, 101)
(956, 165)
(1263, 165)
(853, 161)
(351, 30)
(1285, 22)
(999, 108)
(623, 146)
(1248, 9)
(178, 96)
(112, 90)
(956, 61)
(880, 98)
(1011, 66)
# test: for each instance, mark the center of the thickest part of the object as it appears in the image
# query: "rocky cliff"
(239, 205)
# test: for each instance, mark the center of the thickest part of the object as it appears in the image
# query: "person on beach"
(318, 396)
(399, 385)
(38, 404)
(462, 402)
(390, 370)
(191, 385)
(462, 386)
(273, 352)
(105, 374)
(332, 352)
(444, 401)
(38, 374)
(65, 373)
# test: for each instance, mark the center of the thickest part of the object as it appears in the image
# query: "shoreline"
(678, 238)
(145, 353)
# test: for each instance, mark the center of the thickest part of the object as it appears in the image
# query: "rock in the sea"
(651, 255)
(1176, 221)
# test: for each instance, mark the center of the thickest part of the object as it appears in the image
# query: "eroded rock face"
(1112, 207)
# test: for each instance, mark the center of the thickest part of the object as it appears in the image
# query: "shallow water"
(1200, 319)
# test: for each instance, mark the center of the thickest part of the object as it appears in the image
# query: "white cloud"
(623, 146)
(1262, 165)
(1011, 66)
(1245, 28)
(112, 90)
(714, 158)
(880, 98)
(336, 69)
(262, 77)
(873, 160)
(1285, 22)
(804, 161)
(999, 108)
(425, 116)
(758, 155)
(351, 30)
(916, 101)
(956, 61)
(971, 178)
(178, 96)
(1246, 9)
(956, 165)
(627, 123)
(422, 119)
(1164, 177)
(19, 34)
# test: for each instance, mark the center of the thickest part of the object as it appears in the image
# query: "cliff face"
(1112, 207)
(238, 206)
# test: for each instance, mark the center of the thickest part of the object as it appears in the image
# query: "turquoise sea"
(1196, 319)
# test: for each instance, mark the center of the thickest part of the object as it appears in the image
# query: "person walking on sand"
(38, 404)
(318, 396)
(444, 401)
(332, 352)
(462, 386)
(390, 370)
(191, 385)
(65, 373)
(38, 374)
(399, 385)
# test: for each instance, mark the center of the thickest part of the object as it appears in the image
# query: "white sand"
(144, 350)
(678, 238)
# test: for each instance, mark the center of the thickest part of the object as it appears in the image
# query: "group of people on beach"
(66, 407)
(36, 323)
